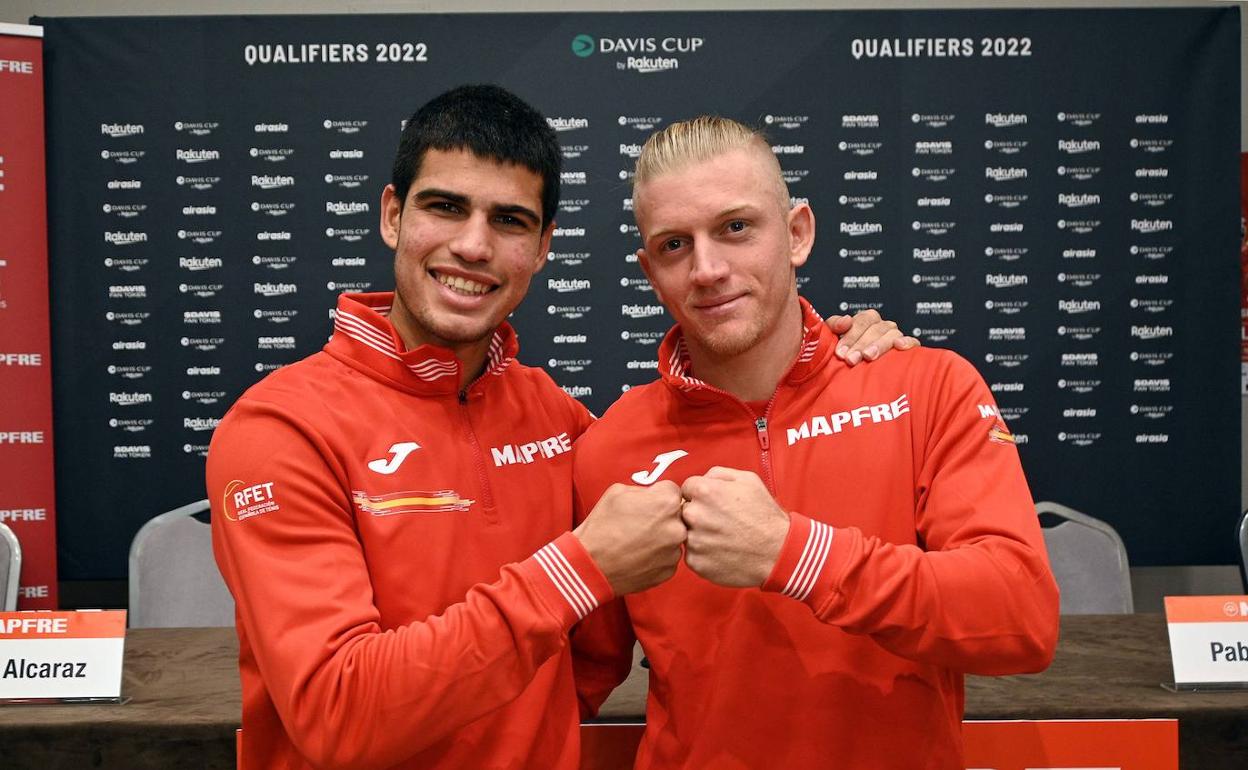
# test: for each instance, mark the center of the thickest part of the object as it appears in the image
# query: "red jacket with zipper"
(913, 556)
(399, 555)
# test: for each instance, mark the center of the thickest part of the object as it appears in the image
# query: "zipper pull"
(463, 396)
(761, 425)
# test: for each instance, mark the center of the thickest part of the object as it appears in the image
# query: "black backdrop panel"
(1053, 194)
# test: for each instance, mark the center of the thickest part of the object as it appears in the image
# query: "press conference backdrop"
(1053, 194)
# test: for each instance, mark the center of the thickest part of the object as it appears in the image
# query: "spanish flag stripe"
(387, 504)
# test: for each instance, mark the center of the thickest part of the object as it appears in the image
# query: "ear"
(543, 246)
(801, 222)
(391, 216)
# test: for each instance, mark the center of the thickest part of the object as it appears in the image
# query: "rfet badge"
(61, 654)
(1208, 639)
(242, 500)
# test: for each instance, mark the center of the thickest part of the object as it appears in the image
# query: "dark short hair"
(492, 123)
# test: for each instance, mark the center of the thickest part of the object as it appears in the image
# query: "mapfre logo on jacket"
(531, 451)
(821, 425)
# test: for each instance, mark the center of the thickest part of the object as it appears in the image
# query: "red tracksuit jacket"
(362, 511)
(913, 556)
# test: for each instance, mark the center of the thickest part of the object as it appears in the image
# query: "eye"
(444, 207)
(511, 222)
(737, 226)
(672, 244)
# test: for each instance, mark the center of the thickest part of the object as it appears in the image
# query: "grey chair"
(174, 582)
(10, 568)
(1089, 561)
(1243, 548)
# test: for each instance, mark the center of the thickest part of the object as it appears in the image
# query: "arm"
(602, 655)
(977, 597)
(350, 694)
(602, 646)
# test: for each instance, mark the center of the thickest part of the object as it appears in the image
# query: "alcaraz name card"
(61, 654)
(1208, 638)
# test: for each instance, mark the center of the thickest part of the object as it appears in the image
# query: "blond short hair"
(693, 141)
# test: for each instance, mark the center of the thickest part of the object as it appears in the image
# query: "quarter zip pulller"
(489, 512)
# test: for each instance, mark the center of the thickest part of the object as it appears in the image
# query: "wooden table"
(184, 705)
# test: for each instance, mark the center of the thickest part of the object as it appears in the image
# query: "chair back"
(174, 582)
(1089, 561)
(1243, 548)
(10, 568)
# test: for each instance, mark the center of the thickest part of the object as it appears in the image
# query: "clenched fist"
(736, 529)
(634, 535)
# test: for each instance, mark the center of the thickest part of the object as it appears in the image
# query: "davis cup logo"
(583, 45)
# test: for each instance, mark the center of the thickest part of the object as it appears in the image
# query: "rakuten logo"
(641, 311)
(1004, 119)
(120, 130)
(1076, 146)
(1145, 332)
(861, 228)
(1004, 174)
(197, 156)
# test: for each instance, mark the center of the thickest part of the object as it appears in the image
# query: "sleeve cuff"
(565, 574)
(802, 570)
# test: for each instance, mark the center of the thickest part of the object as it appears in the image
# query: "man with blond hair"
(822, 616)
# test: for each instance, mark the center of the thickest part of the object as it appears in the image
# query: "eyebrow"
(744, 208)
(463, 200)
(433, 192)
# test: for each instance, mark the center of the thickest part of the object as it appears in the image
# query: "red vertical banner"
(27, 502)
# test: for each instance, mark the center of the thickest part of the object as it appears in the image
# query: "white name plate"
(1208, 639)
(61, 654)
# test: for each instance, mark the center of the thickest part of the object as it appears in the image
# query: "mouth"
(466, 287)
(714, 304)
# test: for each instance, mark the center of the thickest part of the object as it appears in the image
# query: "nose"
(473, 241)
(707, 267)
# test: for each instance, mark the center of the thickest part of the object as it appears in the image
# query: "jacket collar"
(364, 336)
(818, 343)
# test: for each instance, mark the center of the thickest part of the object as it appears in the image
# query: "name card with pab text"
(62, 655)
(1208, 641)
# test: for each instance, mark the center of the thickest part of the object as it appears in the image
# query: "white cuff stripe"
(810, 565)
(801, 562)
(582, 590)
(566, 580)
(544, 560)
(825, 548)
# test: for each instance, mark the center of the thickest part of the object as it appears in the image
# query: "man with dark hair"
(489, 121)
(391, 514)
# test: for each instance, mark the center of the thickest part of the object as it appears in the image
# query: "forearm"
(988, 606)
(353, 695)
(602, 655)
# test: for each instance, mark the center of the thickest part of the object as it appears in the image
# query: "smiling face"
(466, 242)
(721, 250)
